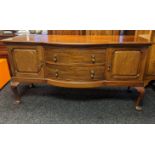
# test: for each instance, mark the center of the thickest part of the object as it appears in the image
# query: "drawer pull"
(93, 59)
(55, 58)
(56, 74)
(92, 74)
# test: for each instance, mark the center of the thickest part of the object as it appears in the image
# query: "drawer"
(75, 73)
(75, 55)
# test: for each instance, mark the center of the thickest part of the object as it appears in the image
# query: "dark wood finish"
(75, 61)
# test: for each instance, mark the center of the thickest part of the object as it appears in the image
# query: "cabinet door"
(26, 61)
(126, 64)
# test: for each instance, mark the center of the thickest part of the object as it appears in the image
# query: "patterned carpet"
(51, 105)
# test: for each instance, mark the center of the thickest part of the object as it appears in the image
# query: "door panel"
(126, 63)
(27, 61)
(23, 58)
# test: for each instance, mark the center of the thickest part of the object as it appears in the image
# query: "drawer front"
(75, 55)
(75, 73)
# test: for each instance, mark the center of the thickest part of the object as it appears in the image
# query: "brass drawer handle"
(55, 58)
(92, 74)
(93, 59)
(56, 74)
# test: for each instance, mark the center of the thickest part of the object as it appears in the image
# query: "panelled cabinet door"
(126, 64)
(26, 61)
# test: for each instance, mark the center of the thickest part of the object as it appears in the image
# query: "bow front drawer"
(75, 73)
(75, 55)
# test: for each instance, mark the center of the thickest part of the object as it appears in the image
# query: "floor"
(51, 105)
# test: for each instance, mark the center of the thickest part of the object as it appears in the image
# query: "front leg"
(141, 91)
(14, 87)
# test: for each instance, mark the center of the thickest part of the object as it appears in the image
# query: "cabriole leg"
(14, 87)
(141, 92)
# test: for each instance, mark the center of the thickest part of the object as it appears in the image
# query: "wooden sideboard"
(75, 61)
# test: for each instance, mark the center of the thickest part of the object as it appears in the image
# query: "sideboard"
(75, 61)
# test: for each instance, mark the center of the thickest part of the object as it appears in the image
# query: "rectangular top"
(78, 39)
